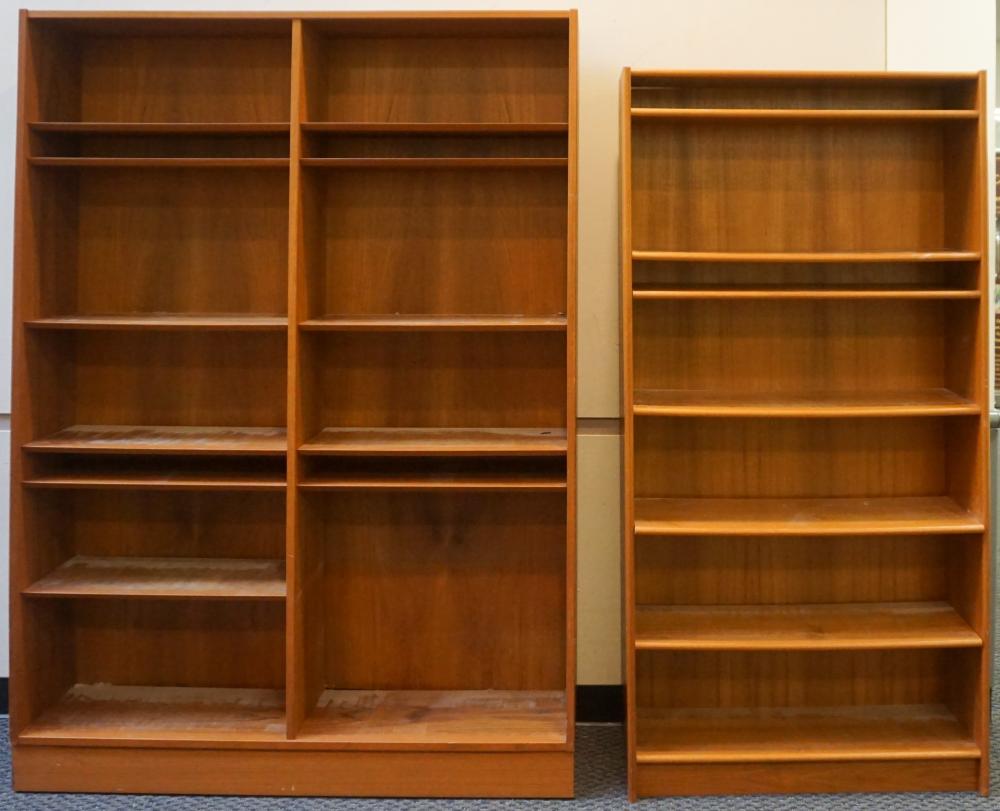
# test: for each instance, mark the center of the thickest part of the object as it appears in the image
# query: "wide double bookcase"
(806, 341)
(294, 404)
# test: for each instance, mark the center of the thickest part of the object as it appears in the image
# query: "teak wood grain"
(805, 409)
(293, 442)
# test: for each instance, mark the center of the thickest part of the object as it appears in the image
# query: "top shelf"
(789, 114)
(442, 127)
(819, 257)
(162, 127)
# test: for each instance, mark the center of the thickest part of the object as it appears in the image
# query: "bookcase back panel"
(797, 346)
(795, 458)
(803, 276)
(725, 570)
(827, 93)
(179, 241)
(798, 679)
(186, 78)
(197, 379)
(220, 145)
(474, 585)
(187, 525)
(440, 241)
(447, 380)
(798, 187)
(437, 145)
(442, 78)
(179, 643)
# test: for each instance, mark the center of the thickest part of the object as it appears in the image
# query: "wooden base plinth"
(301, 773)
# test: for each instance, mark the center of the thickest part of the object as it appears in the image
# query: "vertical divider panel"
(296, 698)
(571, 375)
(628, 542)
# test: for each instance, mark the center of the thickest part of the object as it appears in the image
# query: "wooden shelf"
(163, 127)
(649, 292)
(436, 323)
(442, 127)
(796, 734)
(679, 403)
(803, 516)
(440, 719)
(163, 322)
(438, 442)
(819, 257)
(163, 439)
(113, 715)
(838, 626)
(801, 115)
(481, 482)
(161, 163)
(164, 578)
(161, 480)
(435, 163)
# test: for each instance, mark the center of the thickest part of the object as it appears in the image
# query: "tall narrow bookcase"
(294, 380)
(805, 378)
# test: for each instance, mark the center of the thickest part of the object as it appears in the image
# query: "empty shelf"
(157, 480)
(112, 715)
(435, 163)
(440, 719)
(163, 322)
(648, 292)
(436, 323)
(797, 734)
(444, 127)
(163, 439)
(839, 626)
(687, 403)
(803, 516)
(774, 114)
(162, 127)
(822, 257)
(482, 482)
(164, 578)
(439, 441)
(162, 163)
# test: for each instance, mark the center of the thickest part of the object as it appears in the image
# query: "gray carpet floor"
(600, 783)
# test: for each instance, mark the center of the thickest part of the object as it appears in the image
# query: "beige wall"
(733, 34)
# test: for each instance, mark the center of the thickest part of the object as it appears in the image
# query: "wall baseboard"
(595, 703)
(600, 704)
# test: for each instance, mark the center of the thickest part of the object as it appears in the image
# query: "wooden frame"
(293, 454)
(805, 323)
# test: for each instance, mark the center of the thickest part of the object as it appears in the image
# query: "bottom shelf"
(799, 734)
(115, 715)
(438, 719)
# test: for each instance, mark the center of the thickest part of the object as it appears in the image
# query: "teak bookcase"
(805, 332)
(294, 379)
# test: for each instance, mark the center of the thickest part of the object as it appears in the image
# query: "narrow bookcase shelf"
(438, 442)
(436, 323)
(836, 626)
(449, 719)
(162, 127)
(822, 405)
(800, 115)
(435, 163)
(822, 257)
(159, 163)
(650, 292)
(162, 322)
(799, 734)
(137, 715)
(437, 127)
(163, 578)
(803, 516)
(469, 482)
(163, 439)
